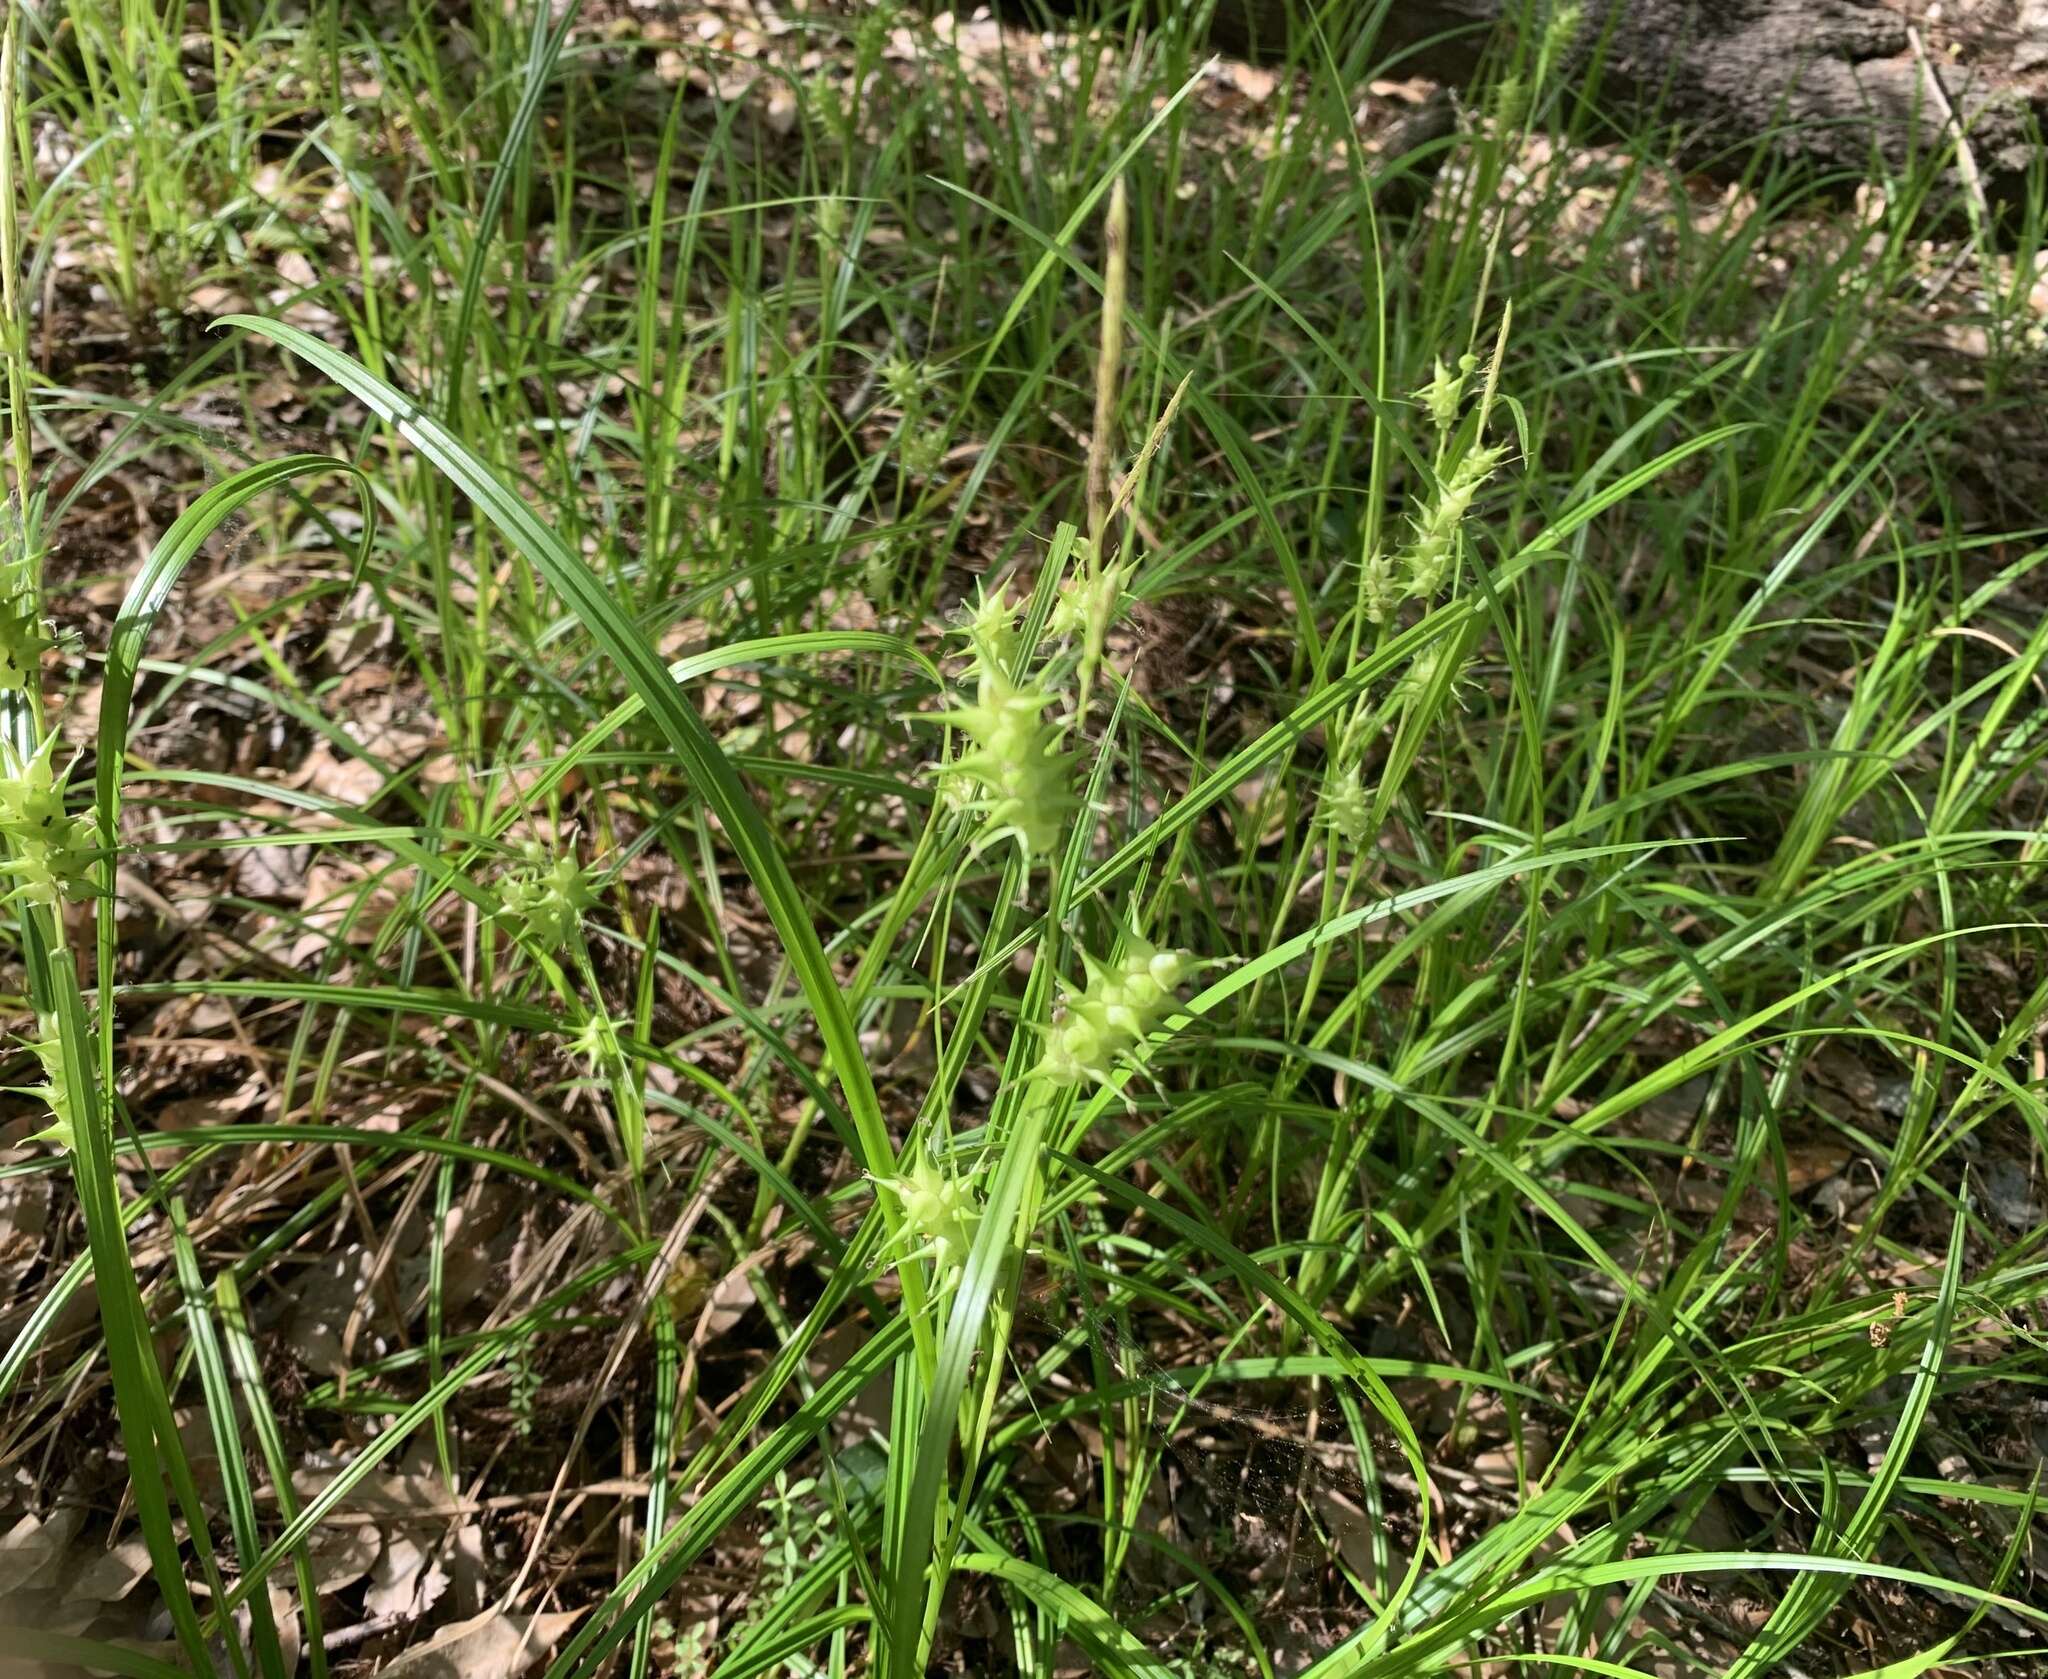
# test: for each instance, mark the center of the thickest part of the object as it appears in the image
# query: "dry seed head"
(1116, 228)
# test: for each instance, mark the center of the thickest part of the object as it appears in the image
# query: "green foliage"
(1569, 724)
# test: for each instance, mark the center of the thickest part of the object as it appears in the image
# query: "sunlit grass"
(1244, 856)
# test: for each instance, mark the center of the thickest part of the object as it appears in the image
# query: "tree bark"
(1841, 84)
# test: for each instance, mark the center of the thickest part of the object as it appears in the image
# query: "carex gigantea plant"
(56, 855)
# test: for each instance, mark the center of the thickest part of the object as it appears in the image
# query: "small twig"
(343, 1638)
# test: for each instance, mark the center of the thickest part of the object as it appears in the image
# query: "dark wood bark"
(1833, 83)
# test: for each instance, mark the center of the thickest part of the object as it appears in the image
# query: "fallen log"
(1853, 87)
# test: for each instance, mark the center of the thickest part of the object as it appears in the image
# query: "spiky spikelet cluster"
(54, 1091)
(1435, 545)
(1015, 772)
(51, 851)
(992, 633)
(1122, 1003)
(1378, 588)
(1560, 30)
(1346, 805)
(940, 1211)
(1445, 392)
(24, 636)
(1017, 769)
(23, 639)
(545, 897)
(596, 1043)
(1088, 601)
(1423, 671)
(879, 568)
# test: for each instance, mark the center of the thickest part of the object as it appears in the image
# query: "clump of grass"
(1566, 747)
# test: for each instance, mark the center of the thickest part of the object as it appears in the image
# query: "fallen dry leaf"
(32, 1549)
(1255, 84)
(1807, 1164)
(490, 1646)
(407, 1580)
(111, 1575)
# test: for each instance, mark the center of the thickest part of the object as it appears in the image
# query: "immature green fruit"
(545, 898)
(1086, 605)
(940, 1211)
(1559, 31)
(1436, 532)
(906, 381)
(596, 1043)
(1117, 1010)
(1016, 770)
(922, 449)
(1376, 588)
(54, 1090)
(1417, 680)
(1442, 395)
(23, 639)
(992, 633)
(1345, 804)
(52, 851)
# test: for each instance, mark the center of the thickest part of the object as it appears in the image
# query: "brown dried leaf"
(491, 1646)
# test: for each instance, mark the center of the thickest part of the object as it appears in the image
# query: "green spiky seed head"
(940, 1210)
(23, 640)
(1376, 587)
(992, 632)
(596, 1043)
(51, 850)
(1121, 1005)
(1442, 395)
(1417, 680)
(54, 1091)
(1560, 30)
(546, 897)
(1016, 771)
(1345, 805)
(923, 450)
(906, 381)
(1435, 546)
